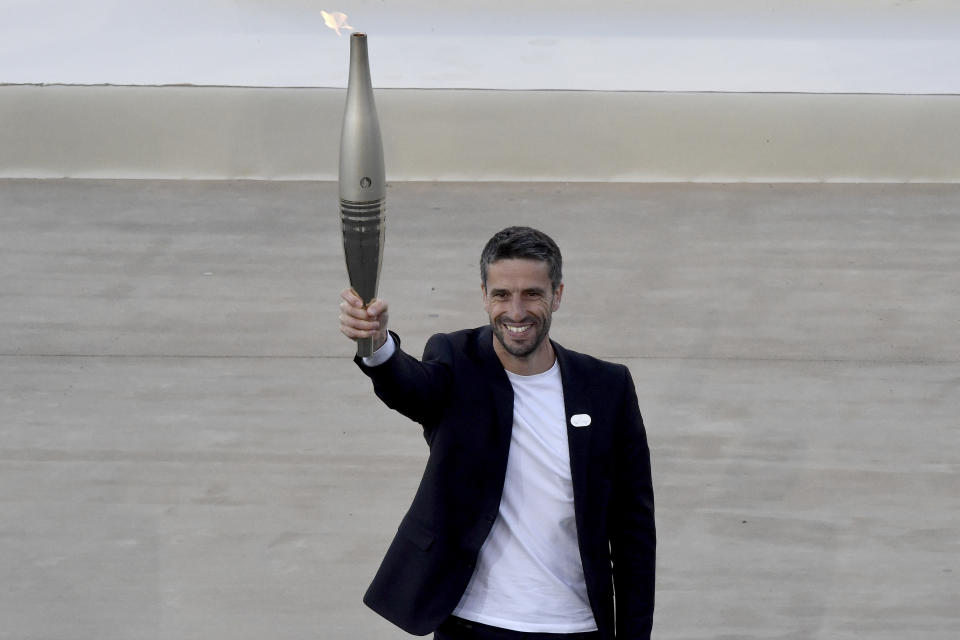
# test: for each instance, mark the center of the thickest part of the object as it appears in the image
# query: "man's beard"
(523, 350)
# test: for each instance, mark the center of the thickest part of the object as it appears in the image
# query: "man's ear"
(557, 294)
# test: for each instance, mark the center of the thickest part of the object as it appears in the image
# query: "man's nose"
(517, 312)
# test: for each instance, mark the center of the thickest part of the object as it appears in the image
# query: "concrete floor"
(187, 452)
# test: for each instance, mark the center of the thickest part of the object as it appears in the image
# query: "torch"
(363, 187)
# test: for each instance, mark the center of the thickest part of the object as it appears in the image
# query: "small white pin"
(580, 420)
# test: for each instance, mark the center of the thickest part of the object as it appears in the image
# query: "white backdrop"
(819, 46)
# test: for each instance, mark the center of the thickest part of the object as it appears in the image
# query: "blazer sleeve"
(633, 539)
(417, 389)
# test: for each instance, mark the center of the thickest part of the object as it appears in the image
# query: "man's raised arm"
(414, 388)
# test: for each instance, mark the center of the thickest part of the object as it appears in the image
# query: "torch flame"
(335, 20)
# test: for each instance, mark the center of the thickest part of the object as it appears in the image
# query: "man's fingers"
(361, 321)
(355, 328)
(351, 298)
(354, 334)
(376, 307)
(357, 321)
(348, 309)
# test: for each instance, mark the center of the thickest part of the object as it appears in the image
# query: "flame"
(335, 20)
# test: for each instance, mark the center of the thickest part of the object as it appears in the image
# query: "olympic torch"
(363, 187)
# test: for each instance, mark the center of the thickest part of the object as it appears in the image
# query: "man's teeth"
(513, 329)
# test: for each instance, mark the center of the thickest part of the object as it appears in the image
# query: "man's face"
(520, 300)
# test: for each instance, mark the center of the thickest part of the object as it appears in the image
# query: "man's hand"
(359, 322)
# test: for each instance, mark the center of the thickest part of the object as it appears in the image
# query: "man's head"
(520, 269)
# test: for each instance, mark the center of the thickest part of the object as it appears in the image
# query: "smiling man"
(534, 518)
(520, 296)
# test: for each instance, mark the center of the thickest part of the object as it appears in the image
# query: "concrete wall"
(190, 132)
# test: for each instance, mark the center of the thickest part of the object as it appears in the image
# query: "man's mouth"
(517, 329)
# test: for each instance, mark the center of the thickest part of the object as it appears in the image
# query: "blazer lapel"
(578, 411)
(500, 387)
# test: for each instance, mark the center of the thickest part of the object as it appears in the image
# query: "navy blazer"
(462, 397)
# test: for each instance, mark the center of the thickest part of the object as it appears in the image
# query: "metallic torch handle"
(363, 185)
(362, 224)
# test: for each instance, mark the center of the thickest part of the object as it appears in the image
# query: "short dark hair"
(526, 243)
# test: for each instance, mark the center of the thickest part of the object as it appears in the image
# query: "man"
(534, 517)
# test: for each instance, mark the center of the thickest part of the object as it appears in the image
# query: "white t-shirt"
(529, 576)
